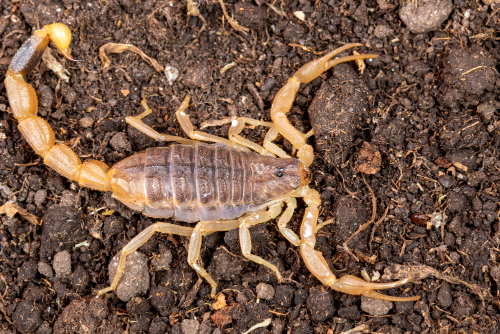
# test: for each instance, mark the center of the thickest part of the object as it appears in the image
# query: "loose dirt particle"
(368, 159)
(444, 296)
(425, 15)
(135, 278)
(265, 291)
(62, 229)
(338, 112)
(28, 316)
(320, 303)
(86, 122)
(45, 269)
(375, 307)
(62, 264)
(162, 262)
(190, 326)
(120, 142)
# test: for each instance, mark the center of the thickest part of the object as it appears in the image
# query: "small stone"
(426, 15)
(445, 180)
(486, 110)
(190, 326)
(382, 31)
(375, 307)
(134, 280)
(163, 261)
(69, 198)
(495, 273)
(265, 291)
(455, 257)
(86, 122)
(44, 329)
(40, 196)
(172, 73)
(120, 142)
(444, 296)
(62, 264)
(45, 269)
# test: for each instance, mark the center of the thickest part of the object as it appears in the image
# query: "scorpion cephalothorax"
(222, 187)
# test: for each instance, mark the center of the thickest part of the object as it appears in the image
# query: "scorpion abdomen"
(201, 182)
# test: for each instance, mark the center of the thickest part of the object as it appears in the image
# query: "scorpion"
(234, 183)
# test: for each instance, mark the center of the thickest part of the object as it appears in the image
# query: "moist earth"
(407, 148)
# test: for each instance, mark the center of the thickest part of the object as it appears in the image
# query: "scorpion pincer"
(233, 184)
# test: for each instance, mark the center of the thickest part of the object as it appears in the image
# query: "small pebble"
(86, 122)
(425, 16)
(62, 264)
(190, 326)
(375, 307)
(163, 261)
(455, 257)
(134, 280)
(120, 142)
(172, 73)
(69, 198)
(265, 291)
(40, 196)
(45, 269)
(445, 180)
(382, 31)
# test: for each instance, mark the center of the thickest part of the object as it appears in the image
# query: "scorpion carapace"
(222, 186)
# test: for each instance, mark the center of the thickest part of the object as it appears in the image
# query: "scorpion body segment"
(193, 183)
(222, 187)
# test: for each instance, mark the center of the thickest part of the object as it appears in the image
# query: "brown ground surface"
(428, 105)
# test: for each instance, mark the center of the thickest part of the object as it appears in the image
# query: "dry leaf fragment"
(300, 15)
(54, 65)
(11, 209)
(360, 63)
(120, 48)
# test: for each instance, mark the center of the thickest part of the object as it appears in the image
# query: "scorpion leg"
(201, 229)
(138, 241)
(291, 204)
(316, 263)
(286, 95)
(246, 241)
(187, 127)
(136, 122)
(237, 126)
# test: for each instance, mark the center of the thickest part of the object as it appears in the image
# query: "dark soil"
(428, 106)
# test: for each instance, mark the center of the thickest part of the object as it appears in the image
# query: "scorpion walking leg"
(286, 95)
(316, 263)
(237, 126)
(201, 229)
(136, 122)
(139, 240)
(246, 242)
(187, 127)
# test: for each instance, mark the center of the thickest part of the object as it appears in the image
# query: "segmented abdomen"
(196, 183)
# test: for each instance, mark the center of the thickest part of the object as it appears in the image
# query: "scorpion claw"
(357, 286)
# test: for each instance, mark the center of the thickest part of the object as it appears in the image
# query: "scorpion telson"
(221, 187)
